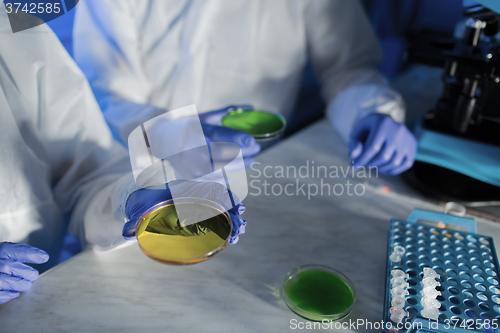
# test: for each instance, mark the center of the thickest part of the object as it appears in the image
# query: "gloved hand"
(140, 201)
(211, 122)
(14, 275)
(378, 140)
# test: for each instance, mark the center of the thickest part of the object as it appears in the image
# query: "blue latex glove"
(14, 275)
(378, 140)
(211, 122)
(140, 201)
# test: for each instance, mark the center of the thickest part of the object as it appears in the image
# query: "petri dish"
(204, 230)
(262, 125)
(318, 292)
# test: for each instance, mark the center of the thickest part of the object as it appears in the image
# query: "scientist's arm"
(90, 172)
(107, 47)
(362, 107)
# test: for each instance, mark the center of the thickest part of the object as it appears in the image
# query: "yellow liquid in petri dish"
(163, 237)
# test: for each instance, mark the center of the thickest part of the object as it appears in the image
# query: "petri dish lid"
(318, 292)
(190, 231)
(259, 124)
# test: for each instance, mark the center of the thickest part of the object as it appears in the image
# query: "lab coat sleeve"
(91, 173)
(107, 47)
(345, 54)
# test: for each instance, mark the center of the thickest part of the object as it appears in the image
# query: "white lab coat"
(166, 54)
(58, 161)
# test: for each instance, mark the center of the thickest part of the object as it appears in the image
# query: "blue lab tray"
(468, 267)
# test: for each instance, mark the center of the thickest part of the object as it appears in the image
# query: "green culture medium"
(259, 124)
(318, 294)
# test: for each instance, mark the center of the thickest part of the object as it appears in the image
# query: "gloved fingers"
(238, 227)
(407, 163)
(385, 156)
(409, 157)
(387, 168)
(18, 269)
(7, 295)
(356, 148)
(360, 132)
(243, 227)
(234, 239)
(396, 160)
(13, 283)
(129, 228)
(238, 223)
(245, 141)
(371, 148)
(140, 201)
(23, 253)
(215, 117)
(375, 135)
(405, 153)
(238, 204)
(241, 208)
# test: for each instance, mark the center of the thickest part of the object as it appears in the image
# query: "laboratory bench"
(238, 290)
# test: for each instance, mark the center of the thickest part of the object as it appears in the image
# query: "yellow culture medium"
(163, 237)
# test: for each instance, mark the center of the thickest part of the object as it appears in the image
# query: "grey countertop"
(238, 290)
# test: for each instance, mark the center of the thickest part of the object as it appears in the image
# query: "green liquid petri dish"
(318, 292)
(260, 124)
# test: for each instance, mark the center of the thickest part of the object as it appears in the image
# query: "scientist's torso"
(236, 49)
(217, 52)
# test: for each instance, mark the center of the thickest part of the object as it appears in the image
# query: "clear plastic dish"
(318, 292)
(203, 230)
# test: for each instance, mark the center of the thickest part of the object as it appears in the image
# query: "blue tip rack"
(467, 266)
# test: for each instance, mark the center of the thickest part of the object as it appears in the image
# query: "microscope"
(459, 139)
